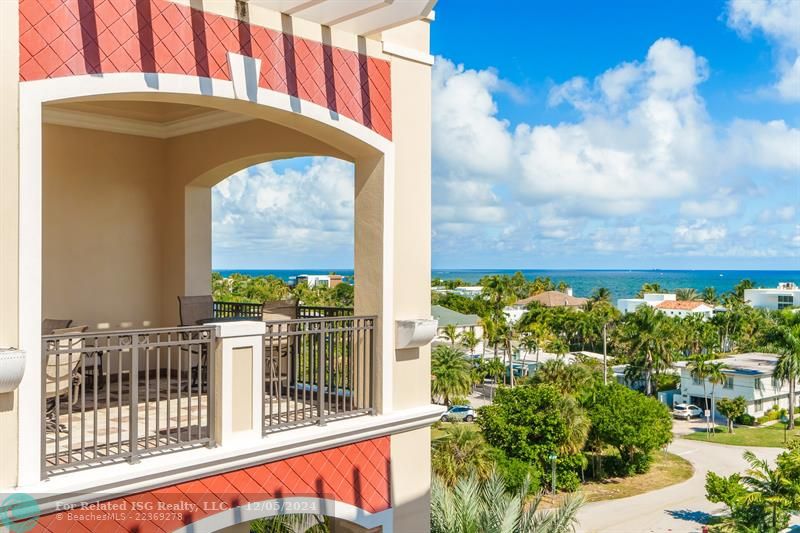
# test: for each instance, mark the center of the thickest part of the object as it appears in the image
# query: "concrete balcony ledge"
(115, 480)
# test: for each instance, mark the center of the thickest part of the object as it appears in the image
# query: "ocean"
(621, 283)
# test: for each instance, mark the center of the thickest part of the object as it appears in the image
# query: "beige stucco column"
(9, 225)
(238, 378)
(373, 268)
(197, 240)
(411, 134)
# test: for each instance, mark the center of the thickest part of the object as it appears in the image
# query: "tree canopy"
(635, 424)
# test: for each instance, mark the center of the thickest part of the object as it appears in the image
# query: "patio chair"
(279, 350)
(191, 310)
(61, 373)
(50, 324)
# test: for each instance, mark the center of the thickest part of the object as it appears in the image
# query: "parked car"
(457, 413)
(686, 411)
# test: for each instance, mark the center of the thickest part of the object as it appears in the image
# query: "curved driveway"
(678, 508)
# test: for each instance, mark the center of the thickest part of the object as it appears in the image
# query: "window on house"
(728, 382)
(757, 384)
(697, 381)
(785, 300)
(758, 405)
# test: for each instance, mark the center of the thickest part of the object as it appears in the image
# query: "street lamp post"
(553, 458)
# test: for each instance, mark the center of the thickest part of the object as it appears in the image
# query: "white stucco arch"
(292, 505)
(359, 142)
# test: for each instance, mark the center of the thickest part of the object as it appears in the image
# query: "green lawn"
(667, 469)
(770, 436)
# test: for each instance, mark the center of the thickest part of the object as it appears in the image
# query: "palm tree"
(460, 452)
(506, 336)
(498, 293)
(650, 288)
(710, 296)
(715, 376)
(687, 295)
(450, 373)
(491, 329)
(578, 425)
(768, 488)
(787, 341)
(647, 335)
(450, 332)
(568, 379)
(698, 368)
(738, 290)
(473, 506)
(601, 294)
(470, 341)
(494, 368)
(527, 344)
(558, 346)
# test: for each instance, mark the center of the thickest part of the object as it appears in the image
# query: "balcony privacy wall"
(357, 474)
(78, 37)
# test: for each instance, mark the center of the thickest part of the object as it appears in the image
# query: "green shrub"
(746, 420)
(772, 414)
(514, 471)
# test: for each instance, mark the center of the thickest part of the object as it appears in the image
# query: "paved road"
(679, 508)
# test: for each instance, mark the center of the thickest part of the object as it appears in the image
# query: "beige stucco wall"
(9, 217)
(411, 119)
(102, 226)
(411, 480)
(128, 229)
(411, 109)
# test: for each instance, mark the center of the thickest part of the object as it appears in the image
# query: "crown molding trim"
(407, 53)
(141, 128)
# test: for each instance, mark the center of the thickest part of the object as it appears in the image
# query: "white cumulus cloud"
(779, 21)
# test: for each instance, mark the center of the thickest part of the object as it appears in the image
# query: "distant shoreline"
(622, 283)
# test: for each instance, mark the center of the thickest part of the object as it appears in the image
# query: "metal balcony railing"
(317, 370)
(255, 310)
(119, 395)
(317, 311)
(238, 309)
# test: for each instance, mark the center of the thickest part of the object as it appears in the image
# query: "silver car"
(459, 413)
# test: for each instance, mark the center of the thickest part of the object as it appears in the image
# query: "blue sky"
(625, 134)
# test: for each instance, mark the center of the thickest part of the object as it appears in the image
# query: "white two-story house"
(749, 375)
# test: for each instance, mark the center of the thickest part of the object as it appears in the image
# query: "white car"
(459, 413)
(686, 411)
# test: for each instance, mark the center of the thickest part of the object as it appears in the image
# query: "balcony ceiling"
(361, 17)
(160, 120)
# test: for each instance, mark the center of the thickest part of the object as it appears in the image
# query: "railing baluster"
(83, 406)
(70, 401)
(321, 380)
(57, 406)
(147, 396)
(133, 407)
(96, 379)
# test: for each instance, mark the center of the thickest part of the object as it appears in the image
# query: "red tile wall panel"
(357, 474)
(76, 37)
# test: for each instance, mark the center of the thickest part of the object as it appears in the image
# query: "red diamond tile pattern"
(357, 474)
(76, 37)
